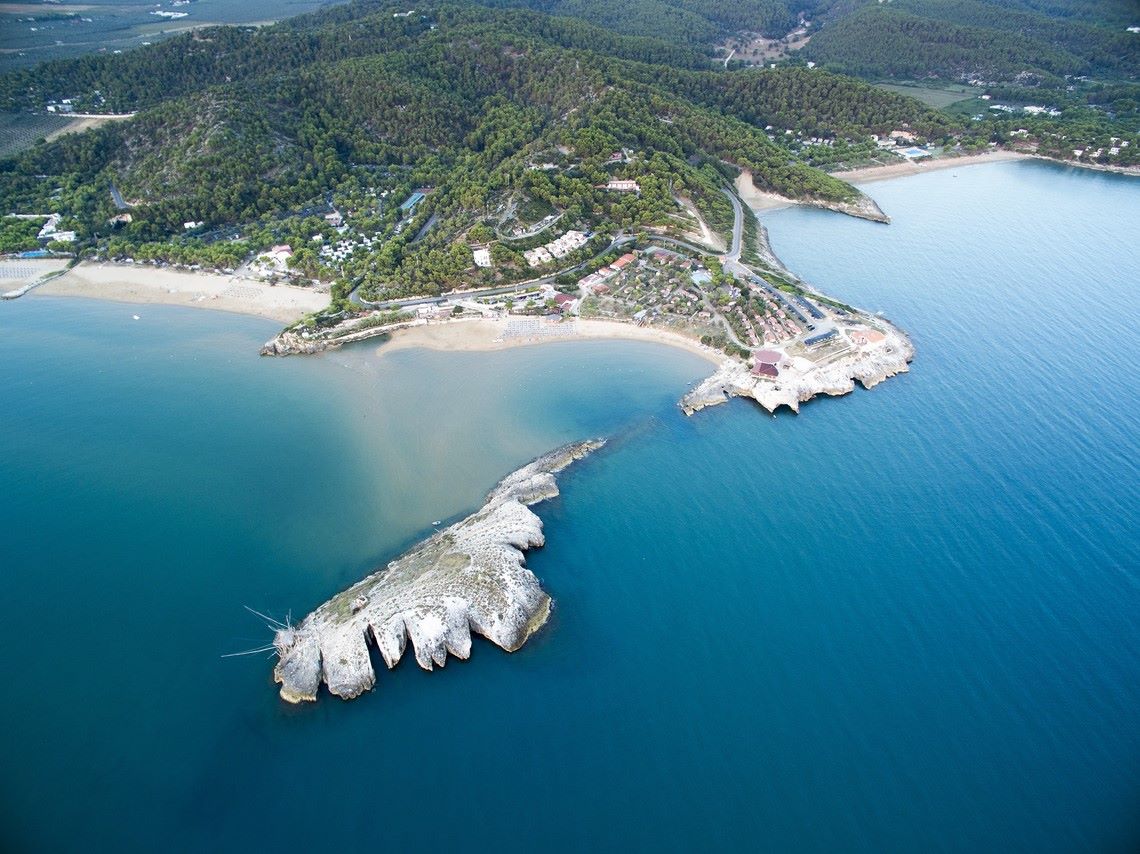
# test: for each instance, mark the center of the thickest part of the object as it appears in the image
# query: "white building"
(538, 257)
(566, 244)
(482, 257)
(276, 260)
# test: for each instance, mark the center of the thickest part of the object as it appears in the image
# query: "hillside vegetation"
(985, 39)
(259, 133)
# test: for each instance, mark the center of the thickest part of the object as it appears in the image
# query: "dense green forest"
(697, 22)
(248, 132)
(993, 40)
(505, 115)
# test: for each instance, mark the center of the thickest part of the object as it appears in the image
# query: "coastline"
(160, 286)
(868, 174)
(761, 201)
(485, 334)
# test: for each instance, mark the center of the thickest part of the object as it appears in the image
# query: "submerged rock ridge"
(468, 577)
(863, 349)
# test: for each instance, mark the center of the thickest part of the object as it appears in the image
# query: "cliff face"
(469, 577)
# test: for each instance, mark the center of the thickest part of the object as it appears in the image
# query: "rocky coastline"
(862, 207)
(799, 380)
(300, 342)
(468, 578)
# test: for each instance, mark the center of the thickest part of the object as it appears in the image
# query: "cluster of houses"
(596, 282)
(336, 253)
(559, 248)
(1094, 154)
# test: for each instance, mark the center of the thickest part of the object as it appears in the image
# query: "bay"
(903, 619)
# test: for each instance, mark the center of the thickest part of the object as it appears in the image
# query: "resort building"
(558, 248)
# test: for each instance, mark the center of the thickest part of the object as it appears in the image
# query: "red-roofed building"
(565, 302)
(764, 369)
(624, 260)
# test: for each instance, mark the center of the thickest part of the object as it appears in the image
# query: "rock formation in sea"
(296, 341)
(469, 577)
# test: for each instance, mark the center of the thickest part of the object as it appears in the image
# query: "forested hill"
(142, 78)
(1000, 40)
(697, 22)
(501, 113)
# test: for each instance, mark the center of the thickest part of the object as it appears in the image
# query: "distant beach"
(868, 174)
(761, 201)
(150, 285)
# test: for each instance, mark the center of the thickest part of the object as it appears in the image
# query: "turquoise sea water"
(903, 620)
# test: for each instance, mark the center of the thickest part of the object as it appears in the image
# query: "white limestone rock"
(796, 385)
(469, 577)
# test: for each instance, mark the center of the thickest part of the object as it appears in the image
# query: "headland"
(468, 577)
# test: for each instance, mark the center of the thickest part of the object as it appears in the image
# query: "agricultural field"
(19, 131)
(32, 32)
(935, 96)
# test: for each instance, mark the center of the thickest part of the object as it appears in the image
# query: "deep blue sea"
(904, 620)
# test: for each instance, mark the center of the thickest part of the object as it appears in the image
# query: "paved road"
(733, 253)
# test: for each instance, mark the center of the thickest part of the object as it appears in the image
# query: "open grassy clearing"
(937, 97)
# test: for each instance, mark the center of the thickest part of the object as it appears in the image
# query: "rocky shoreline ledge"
(469, 577)
(861, 207)
(863, 353)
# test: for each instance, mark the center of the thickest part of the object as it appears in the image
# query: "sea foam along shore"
(150, 285)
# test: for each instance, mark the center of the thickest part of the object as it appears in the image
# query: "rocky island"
(468, 577)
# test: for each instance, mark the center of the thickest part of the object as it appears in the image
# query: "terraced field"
(21, 130)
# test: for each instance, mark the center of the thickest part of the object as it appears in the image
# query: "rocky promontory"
(467, 578)
(860, 207)
(856, 351)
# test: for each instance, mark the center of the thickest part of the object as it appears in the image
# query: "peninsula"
(773, 338)
(469, 577)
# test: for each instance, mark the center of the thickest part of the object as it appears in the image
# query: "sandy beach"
(16, 273)
(761, 201)
(488, 334)
(150, 285)
(899, 170)
(756, 199)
